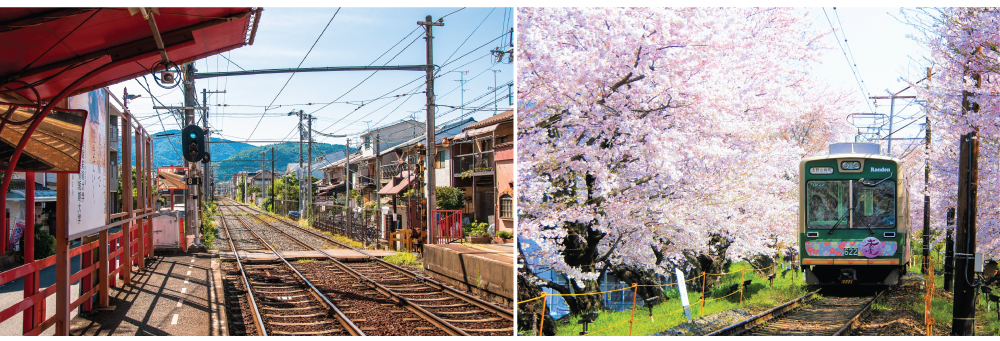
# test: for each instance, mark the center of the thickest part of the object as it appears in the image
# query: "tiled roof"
(506, 115)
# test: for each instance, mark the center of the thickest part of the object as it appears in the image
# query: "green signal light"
(193, 135)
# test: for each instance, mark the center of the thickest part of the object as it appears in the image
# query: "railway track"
(278, 299)
(808, 315)
(448, 309)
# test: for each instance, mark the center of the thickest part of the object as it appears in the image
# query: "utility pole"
(494, 90)
(262, 187)
(461, 75)
(274, 196)
(964, 308)
(378, 184)
(510, 95)
(309, 197)
(347, 187)
(927, 193)
(191, 199)
(431, 191)
(209, 173)
(949, 251)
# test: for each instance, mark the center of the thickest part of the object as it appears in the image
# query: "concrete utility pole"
(262, 187)
(309, 197)
(347, 186)
(964, 308)
(494, 91)
(461, 81)
(209, 171)
(191, 199)
(274, 196)
(949, 252)
(378, 184)
(927, 193)
(431, 190)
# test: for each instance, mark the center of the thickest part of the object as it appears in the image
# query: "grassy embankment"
(758, 296)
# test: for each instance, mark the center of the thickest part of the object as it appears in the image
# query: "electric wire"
(470, 36)
(857, 78)
(293, 73)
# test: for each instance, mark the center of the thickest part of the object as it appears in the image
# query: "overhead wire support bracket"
(312, 69)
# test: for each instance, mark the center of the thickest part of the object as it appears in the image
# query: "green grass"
(403, 258)
(758, 295)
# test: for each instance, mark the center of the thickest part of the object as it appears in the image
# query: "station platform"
(178, 294)
(483, 269)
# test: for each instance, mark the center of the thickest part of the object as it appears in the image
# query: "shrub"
(505, 235)
(45, 244)
(476, 228)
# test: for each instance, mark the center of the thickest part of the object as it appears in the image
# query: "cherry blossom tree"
(965, 57)
(650, 136)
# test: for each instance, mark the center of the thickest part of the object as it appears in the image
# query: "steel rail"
(846, 329)
(257, 320)
(413, 307)
(506, 314)
(344, 321)
(749, 324)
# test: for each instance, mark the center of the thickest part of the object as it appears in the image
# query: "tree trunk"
(528, 314)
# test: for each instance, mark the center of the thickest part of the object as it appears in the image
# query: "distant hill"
(284, 153)
(167, 149)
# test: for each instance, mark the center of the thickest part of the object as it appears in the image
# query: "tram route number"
(197, 182)
(850, 251)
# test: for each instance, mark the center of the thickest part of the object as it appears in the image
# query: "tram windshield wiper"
(842, 218)
(873, 184)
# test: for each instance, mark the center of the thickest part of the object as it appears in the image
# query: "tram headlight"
(850, 165)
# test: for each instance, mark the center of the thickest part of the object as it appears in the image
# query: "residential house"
(475, 170)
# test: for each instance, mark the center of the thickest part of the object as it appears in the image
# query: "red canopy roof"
(53, 47)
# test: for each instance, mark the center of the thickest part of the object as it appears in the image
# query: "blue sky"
(355, 37)
(886, 58)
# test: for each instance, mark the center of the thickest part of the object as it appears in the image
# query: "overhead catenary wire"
(850, 65)
(293, 73)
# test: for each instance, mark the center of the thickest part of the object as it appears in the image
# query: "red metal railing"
(86, 275)
(447, 226)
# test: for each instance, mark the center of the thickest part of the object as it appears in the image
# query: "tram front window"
(826, 203)
(876, 205)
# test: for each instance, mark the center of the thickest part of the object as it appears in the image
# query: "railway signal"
(193, 140)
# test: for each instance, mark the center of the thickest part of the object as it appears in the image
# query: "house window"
(368, 141)
(442, 156)
(506, 206)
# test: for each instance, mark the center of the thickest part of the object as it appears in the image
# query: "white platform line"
(174, 321)
(184, 290)
(180, 302)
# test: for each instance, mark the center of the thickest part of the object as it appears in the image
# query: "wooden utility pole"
(964, 310)
(431, 190)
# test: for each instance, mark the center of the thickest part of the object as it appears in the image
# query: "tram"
(854, 217)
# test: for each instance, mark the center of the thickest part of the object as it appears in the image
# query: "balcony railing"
(389, 171)
(475, 164)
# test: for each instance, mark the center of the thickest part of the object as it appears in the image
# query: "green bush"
(505, 235)
(450, 198)
(476, 228)
(45, 244)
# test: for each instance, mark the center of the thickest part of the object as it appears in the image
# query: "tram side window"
(876, 205)
(826, 203)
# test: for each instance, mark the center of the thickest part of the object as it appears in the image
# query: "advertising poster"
(87, 190)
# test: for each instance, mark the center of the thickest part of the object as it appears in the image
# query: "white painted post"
(682, 286)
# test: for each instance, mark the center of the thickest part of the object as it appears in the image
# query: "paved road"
(13, 292)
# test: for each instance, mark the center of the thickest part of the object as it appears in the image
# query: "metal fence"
(286, 208)
(354, 223)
